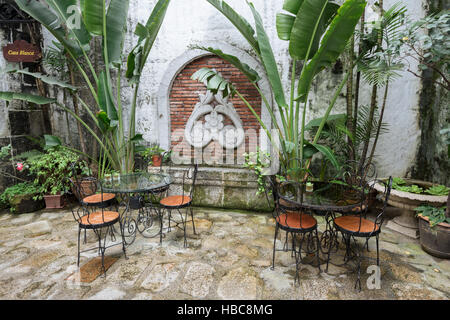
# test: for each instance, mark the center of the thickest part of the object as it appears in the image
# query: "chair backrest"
(365, 190)
(387, 185)
(82, 186)
(288, 197)
(190, 174)
(270, 189)
(357, 176)
(84, 211)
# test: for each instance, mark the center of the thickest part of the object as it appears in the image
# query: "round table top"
(136, 182)
(326, 197)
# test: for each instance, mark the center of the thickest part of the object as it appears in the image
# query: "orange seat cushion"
(97, 198)
(296, 220)
(98, 217)
(352, 224)
(174, 201)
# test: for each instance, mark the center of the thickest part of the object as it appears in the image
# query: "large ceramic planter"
(435, 240)
(407, 223)
(54, 201)
(24, 203)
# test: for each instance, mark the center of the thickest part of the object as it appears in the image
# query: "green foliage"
(426, 41)
(435, 215)
(257, 162)
(381, 65)
(401, 185)
(147, 153)
(318, 32)
(52, 170)
(20, 189)
(439, 190)
(107, 21)
(5, 152)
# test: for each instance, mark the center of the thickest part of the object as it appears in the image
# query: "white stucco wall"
(196, 21)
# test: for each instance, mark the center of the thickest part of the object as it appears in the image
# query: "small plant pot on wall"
(54, 201)
(156, 160)
(434, 240)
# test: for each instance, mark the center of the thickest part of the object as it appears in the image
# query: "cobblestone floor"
(230, 258)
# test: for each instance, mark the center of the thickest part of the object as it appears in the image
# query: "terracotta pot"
(156, 160)
(87, 188)
(54, 201)
(436, 240)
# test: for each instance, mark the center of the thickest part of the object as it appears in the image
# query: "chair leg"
(274, 242)
(358, 280)
(192, 217)
(378, 252)
(318, 250)
(161, 224)
(78, 255)
(184, 226)
(123, 239)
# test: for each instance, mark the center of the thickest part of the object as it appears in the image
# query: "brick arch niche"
(185, 94)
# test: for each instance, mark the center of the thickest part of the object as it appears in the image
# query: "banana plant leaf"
(238, 21)
(116, 19)
(250, 73)
(105, 99)
(138, 56)
(71, 19)
(333, 42)
(214, 81)
(292, 6)
(51, 141)
(44, 78)
(10, 96)
(312, 148)
(93, 16)
(334, 117)
(51, 22)
(303, 29)
(268, 59)
(104, 123)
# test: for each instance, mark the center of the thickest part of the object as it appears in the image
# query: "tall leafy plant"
(74, 26)
(318, 32)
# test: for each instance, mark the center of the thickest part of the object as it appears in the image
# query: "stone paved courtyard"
(230, 258)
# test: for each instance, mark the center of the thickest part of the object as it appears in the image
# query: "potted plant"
(52, 171)
(434, 228)
(83, 179)
(22, 198)
(153, 154)
(408, 194)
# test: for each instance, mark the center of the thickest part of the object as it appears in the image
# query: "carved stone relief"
(214, 108)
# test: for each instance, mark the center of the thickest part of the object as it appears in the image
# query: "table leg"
(128, 224)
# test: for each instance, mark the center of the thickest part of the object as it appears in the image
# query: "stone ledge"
(228, 188)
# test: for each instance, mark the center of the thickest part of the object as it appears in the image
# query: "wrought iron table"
(131, 190)
(325, 200)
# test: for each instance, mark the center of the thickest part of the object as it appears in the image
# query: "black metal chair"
(85, 190)
(102, 222)
(295, 222)
(358, 177)
(358, 226)
(179, 202)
